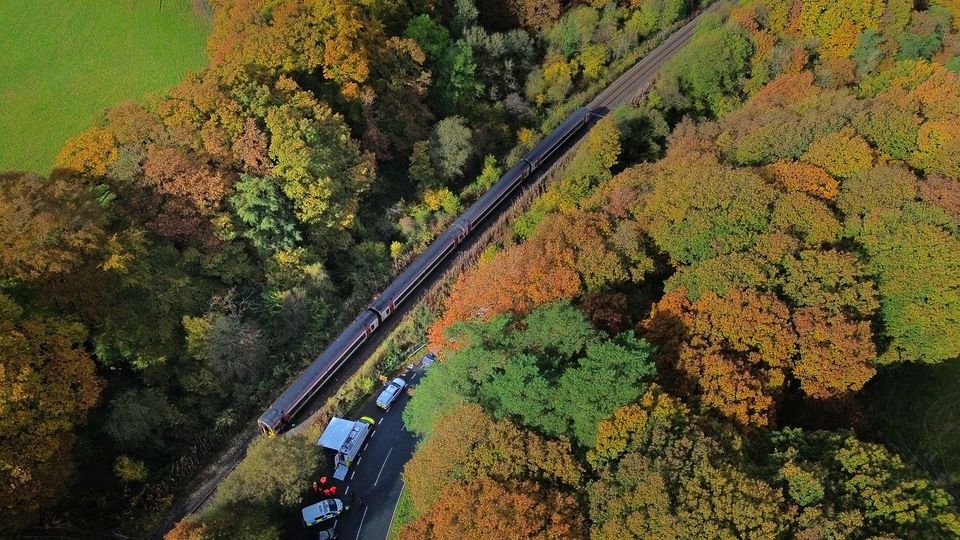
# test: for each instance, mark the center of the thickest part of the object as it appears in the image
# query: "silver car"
(390, 393)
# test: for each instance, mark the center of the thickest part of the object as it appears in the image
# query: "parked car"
(390, 393)
(322, 511)
(327, 534)
(428, 360)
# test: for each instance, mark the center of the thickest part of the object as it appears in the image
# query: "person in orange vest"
(326, 492)
(333, 490)
(323, 481)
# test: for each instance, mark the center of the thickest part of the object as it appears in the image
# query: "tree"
(632, 502)
(320, 168)
(882, 187)
(493, 510)
(432, 36)
(467, 445)
(611, 374)
(843, 154)
(234, 348)
(836, 355)
(917, 266)
(938, 149)
(456, 82)
(140, 419)
(832, 281)
(805, 218)
(783, 119)
(275, 472)
(450, 147)
(266, 212)
(47, 227)
(736, 350)
(700, 209)
(421, 168)
(867, 484)
(535, 15)
(48, 383)
(707, 71)
(804, 177)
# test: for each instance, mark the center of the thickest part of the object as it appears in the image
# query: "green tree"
(611, 374)
(267, 213)
(141, 419)
(456, 83)
(432, 37)
(708, 70)
(700, 209)
(863, 481)
(917, 265)
(450, 147)
(275, 472)
(321, 169)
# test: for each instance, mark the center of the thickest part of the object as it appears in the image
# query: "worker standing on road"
(333, 490)
(323, 481)
(326, 492)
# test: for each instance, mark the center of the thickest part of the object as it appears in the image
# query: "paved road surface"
(375, 477)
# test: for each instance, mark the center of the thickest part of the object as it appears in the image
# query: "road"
(621, 91)
(375, 477)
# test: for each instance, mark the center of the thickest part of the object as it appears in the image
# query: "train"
(292, 400)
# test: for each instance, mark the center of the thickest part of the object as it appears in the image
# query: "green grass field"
(62, 62)
(916, 410)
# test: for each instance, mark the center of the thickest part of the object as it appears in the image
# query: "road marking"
(352, 474)
(346, 490)
(365, 508)
(359, 459)
(394, 515)
(382, 466)
(365, 446)
(335, 523)
(380, 422)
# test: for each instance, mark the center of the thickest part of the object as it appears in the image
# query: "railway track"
(638, 77)
(628, 85)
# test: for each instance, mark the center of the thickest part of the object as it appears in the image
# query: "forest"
(190, 253)
(679, 338)
(691, 334)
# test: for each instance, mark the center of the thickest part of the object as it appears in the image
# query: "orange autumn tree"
(736, 350)
(48, 384)
(490, 510)
(804, 177)
(836, 355)
(569, 253)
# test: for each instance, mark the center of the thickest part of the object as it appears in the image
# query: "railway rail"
(324, 369)
(285, 408)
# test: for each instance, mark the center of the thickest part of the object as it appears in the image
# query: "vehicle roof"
(315, 511)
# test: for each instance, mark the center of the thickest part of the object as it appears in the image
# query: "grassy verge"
(63, 62)
(915, 409)
(404, 514)
(401, 347)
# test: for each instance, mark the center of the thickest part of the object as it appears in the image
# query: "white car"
(322, 511)
(390, 393)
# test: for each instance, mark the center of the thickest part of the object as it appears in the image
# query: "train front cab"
(270, 422)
